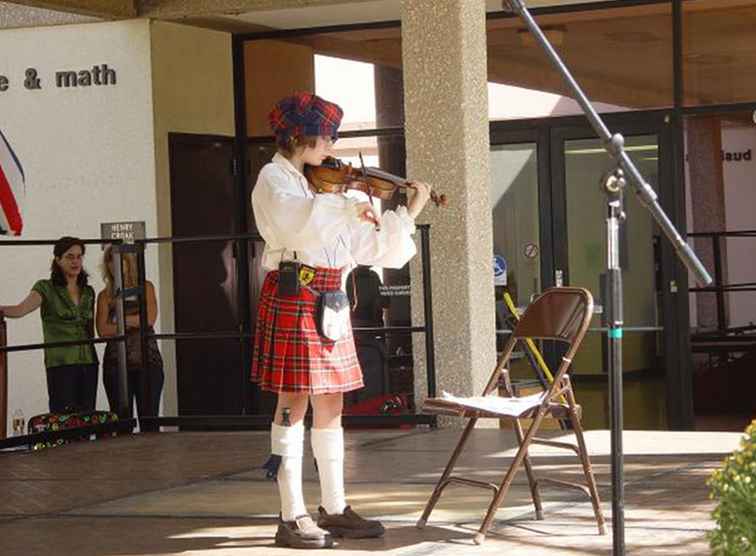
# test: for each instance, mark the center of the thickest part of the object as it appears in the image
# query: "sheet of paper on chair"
(505, 406)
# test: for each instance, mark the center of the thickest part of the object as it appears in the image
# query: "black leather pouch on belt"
(288, 278)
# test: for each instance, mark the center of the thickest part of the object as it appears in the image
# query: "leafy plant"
(734, 486)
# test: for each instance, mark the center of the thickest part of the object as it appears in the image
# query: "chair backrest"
(558, 314)
(561, 314)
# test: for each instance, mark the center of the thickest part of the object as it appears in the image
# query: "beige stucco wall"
(100, 154)
(192, 89)
(88, 156)
(444, 64)
(274, 69)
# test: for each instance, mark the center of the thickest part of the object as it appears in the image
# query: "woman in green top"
(67, 311)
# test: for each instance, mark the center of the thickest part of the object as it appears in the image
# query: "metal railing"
(239, 421)
(719, 287)
(220, 422)
(725, 340)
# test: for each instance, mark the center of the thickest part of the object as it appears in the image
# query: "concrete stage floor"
(204, 494)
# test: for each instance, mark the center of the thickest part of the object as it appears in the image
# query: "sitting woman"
(145, 378)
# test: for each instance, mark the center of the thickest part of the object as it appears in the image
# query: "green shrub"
(734, 486)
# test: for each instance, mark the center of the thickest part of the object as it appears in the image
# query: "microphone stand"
(613, 185)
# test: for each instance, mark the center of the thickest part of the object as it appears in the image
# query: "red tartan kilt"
(289, 355)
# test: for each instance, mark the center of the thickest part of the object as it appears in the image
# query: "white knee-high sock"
(288, 442)
(328, 449)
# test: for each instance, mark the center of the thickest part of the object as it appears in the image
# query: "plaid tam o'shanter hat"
(305, 114)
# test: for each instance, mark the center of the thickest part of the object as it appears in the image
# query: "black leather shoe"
(349, 524)
(302, 533)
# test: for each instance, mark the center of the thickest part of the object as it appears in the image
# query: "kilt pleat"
(288, 353)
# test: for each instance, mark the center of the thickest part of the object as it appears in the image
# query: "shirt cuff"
(408, 223)
(351, 209)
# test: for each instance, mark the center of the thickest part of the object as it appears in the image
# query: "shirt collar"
(284, 162)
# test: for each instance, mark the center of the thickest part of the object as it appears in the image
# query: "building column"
(446, 112)
(706, 189)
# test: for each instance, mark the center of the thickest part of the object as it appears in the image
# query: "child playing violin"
(311, 241)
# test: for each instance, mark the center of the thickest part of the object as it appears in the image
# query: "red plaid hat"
(304, 114)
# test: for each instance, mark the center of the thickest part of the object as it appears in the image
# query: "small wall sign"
(127, 231)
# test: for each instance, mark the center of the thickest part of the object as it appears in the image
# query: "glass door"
(579, 217)
(523, 255)
(549, 229)
(515, 212)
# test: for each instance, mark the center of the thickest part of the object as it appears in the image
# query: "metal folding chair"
(561, 314)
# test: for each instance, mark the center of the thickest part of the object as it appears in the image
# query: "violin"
(333, 176)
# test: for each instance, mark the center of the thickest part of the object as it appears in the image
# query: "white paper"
(496, 404)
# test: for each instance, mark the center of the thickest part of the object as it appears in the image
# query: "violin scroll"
(438, 199)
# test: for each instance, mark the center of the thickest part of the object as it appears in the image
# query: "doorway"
(549, 225)
(210, 378)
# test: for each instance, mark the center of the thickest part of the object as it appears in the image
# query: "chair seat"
(493, 407)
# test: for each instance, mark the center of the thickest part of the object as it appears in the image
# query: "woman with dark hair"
(67, 310)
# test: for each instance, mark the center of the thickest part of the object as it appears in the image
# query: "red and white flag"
(12, 190)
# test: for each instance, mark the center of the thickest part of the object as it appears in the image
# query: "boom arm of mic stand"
(614, 146)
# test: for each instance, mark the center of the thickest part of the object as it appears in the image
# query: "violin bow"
(364, 175)
(369, 189)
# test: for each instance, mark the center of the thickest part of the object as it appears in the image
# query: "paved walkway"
(203, 494)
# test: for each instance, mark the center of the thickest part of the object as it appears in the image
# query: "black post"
(716, 243)
(613, 186)
(430, 357)
(123, 381)
(144, 327)
(241, 246)
(3, 379)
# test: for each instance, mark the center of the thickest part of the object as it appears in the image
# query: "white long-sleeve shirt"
(323, 229)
